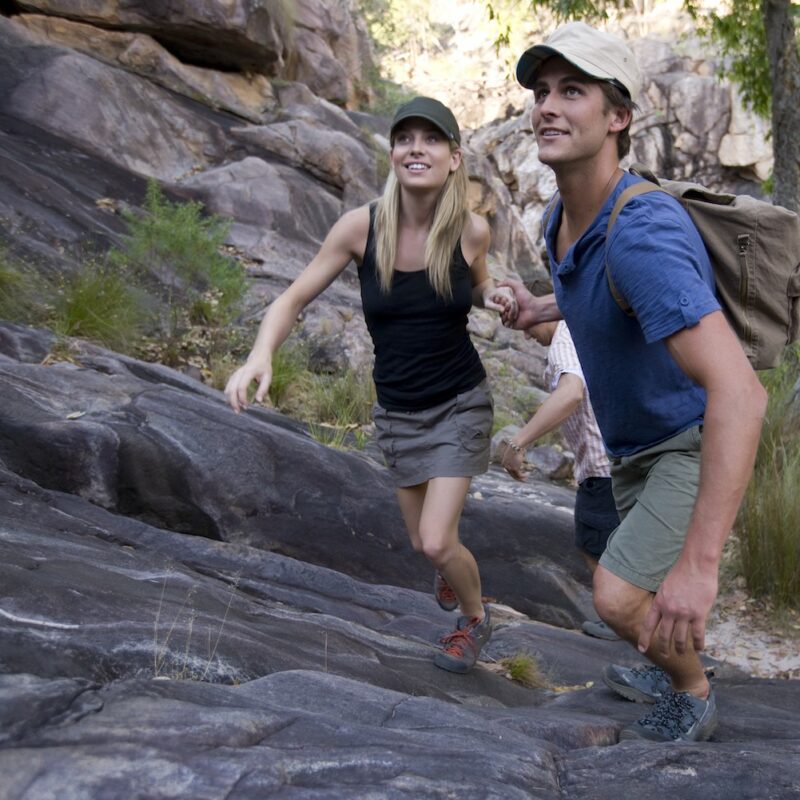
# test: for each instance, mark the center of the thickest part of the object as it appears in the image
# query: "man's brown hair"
(618, 98)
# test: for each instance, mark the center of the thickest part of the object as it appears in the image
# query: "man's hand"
(681, 605)
(531, 309)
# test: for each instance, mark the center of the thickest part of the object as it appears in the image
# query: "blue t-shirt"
(660, 266)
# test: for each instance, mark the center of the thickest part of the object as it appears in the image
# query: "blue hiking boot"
(643, 684)
(599, 629)
(676, 716)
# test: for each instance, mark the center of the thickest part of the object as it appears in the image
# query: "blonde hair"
(449, 218)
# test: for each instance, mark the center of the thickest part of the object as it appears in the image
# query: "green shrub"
(768, 526)
(11, 289)
(342, 399)
(95, 302)
(387, 95)
(25, 297)
(176, 245)
(290, 375)
(335, 406)
(502, 419)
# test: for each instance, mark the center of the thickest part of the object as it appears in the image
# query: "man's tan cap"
(600, 55)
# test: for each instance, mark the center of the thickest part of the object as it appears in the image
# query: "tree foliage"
(759, 44)
(405, 26)
(741, 39)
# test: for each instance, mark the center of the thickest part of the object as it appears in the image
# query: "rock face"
(240, 34)
(111, 106)
(141, 661)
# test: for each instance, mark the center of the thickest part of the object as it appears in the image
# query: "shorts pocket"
(384, 437)
(474, 418)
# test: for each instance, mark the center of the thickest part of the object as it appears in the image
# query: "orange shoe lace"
(456, 643)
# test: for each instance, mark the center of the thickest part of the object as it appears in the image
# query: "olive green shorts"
(655, 491)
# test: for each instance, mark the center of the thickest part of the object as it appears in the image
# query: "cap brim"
(426, 117)
(530, 61)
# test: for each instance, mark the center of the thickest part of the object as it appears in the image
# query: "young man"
(662, 382)
(568, 406)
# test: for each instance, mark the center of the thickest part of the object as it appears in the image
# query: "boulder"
(121, 117)
(240, 34)
(246, 95)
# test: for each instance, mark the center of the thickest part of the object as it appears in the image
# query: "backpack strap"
(632, 191)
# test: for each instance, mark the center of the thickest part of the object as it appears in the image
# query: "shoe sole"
(453, 666)
(629, 692)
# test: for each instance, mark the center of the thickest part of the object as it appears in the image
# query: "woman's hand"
(530, 309)
(513, 461)
(239, 383)
(502, 300)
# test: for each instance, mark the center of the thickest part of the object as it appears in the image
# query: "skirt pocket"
(474, 417)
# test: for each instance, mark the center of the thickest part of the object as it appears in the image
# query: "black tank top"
(423, 353)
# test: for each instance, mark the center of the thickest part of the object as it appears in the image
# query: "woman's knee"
(437, 548)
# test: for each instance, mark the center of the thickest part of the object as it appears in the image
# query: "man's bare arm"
(710, 354)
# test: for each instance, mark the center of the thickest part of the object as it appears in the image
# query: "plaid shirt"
(580, 428)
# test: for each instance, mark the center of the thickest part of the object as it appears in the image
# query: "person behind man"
(568, 406)
(663, 382)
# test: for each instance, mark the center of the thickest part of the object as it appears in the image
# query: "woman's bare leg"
(432, 512)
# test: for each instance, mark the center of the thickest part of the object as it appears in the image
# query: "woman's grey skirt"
(449, 440)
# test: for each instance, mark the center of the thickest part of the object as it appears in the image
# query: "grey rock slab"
(299, 734)
(708, 771)
(89, 594)
(330, 690)
(128, 437)
(48, 194)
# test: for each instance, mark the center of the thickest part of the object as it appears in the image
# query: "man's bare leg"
(624, 606)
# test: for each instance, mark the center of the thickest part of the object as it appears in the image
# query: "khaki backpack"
(754, 248)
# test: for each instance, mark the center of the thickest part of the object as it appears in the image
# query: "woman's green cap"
(431, 110)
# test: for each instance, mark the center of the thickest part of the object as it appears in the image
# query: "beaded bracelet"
(515, 447)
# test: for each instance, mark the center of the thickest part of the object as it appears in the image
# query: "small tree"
(180, 249)
(759, 41)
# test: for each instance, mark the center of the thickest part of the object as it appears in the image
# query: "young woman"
(421, 257)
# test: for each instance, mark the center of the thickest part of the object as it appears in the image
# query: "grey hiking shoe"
(643, 684)
(461, 648)
(676, 716)
(444, 594)
(599, 629)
